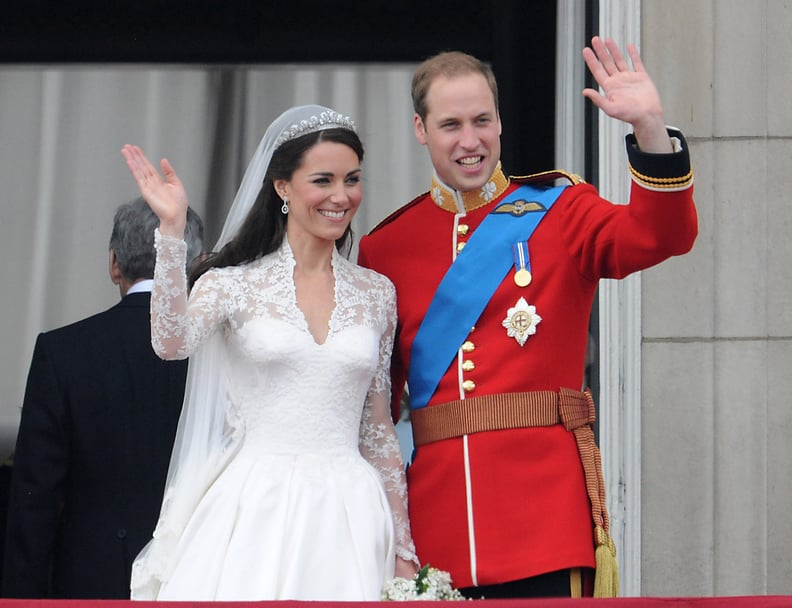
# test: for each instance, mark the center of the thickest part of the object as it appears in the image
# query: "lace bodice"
(292, 394)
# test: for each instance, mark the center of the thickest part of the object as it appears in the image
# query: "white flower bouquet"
(428, 584)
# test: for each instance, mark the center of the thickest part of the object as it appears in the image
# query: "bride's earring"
(285, 207)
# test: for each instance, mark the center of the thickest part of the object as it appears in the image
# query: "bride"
(286, 479)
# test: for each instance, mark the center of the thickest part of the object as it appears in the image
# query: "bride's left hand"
(405, 569)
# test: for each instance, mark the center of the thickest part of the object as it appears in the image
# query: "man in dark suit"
(98, 422)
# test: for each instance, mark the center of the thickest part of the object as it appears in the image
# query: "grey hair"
(132, 239)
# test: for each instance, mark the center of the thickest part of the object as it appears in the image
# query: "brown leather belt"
(503, 411)
(573, 409)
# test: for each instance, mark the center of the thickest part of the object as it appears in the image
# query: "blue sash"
(468, 285)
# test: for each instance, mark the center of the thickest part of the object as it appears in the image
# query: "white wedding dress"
(304, 497)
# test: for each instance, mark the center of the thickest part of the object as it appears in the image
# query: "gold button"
(462, 229)
(468, 347)
(469, 386)
(460, 246)
(468, 366)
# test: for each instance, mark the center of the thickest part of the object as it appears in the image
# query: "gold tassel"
(606, 576)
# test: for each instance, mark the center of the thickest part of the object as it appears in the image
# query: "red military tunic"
(503, 505)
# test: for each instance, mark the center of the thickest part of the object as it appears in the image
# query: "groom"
(495, 278)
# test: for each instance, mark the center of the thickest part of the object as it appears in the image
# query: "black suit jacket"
(94, 442)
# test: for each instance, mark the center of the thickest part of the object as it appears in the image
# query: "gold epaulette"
(548, 177)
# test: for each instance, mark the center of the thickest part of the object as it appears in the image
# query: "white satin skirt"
(285, 527)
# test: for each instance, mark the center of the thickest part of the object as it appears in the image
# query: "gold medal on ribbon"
(522, 278)
(522, 265)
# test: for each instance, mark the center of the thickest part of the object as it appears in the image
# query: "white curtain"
(62, 174)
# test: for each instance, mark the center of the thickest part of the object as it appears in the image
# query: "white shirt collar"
(141, 286)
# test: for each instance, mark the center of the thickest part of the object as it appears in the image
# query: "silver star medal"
(521, 321)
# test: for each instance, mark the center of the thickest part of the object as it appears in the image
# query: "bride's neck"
(311, 256)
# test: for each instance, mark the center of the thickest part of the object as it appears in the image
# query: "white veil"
(210, 429)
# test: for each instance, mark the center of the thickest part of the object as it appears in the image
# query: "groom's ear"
(419, 129)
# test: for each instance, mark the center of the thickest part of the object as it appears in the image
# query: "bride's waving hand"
(163, 192)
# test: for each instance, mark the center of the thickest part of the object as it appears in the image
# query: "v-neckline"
(300, 312)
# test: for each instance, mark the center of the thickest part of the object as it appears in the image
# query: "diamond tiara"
(325, 120)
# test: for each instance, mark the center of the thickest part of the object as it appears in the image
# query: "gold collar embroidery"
(445, 197)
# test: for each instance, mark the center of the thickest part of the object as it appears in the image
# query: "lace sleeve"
(379, 444)
(178, 324)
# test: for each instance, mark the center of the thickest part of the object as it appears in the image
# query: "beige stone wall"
(717, 323)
